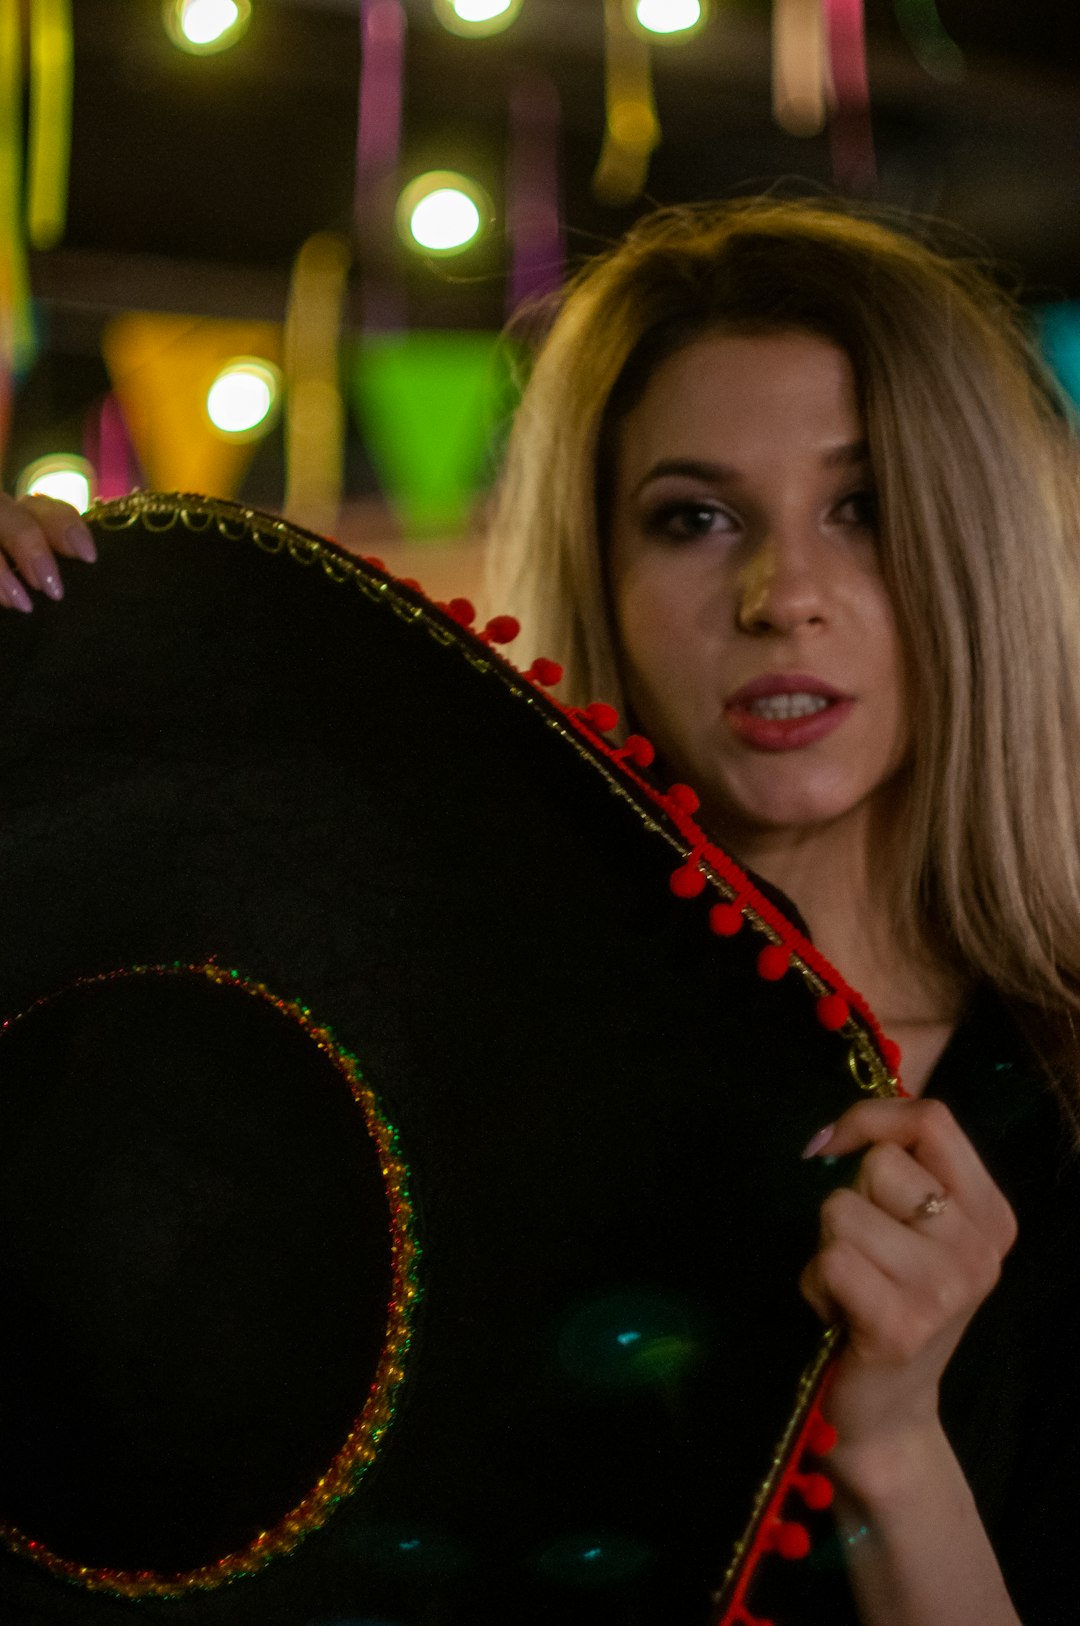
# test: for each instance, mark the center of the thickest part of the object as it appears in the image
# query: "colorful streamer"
(633, 130)
(429, 406)
(534, 217)
(17, 342)
(852, 138)
(382, 61)
(161, 367)
(932, 45)
(107, 447)
(798, 66)
(315, 412)
(50, 121)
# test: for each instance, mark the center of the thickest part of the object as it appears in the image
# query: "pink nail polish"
(14, 593)
(81, 543)
(46, 576)
(817, 1142)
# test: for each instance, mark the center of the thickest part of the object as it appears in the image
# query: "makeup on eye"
(683, 518)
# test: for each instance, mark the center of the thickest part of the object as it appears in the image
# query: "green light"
(62, 475)
(205, 26)
(442, 212)
(475, 18)
(242, 398)
(667, 17)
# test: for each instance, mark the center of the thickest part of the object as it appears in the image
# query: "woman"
(794, 490)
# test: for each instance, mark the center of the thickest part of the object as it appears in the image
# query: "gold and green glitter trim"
(360, 1447)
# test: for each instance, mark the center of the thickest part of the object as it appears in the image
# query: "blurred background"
(291, 251)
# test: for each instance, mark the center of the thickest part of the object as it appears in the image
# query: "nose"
(781, 586)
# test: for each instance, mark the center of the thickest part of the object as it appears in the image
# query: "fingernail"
(14, 593)
(816, 1142)
(46, 576)
(81, 543)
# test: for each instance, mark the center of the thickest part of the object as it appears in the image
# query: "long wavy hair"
(978, 482)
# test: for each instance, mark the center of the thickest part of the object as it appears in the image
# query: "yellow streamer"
(633, 129)
(50, 121)
(799, 65)
(314, 410)
(16, 325)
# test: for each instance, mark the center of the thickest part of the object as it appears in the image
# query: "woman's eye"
(859, 508)
(688, 519)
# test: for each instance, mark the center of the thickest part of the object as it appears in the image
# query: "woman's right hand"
(35, 532)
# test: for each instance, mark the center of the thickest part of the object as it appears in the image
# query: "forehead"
(754, 392)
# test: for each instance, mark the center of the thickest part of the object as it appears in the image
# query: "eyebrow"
(852, 452)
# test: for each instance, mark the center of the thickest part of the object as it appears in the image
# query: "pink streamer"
(107, 445)
(382, 59)
(534, 218)
(851, 133)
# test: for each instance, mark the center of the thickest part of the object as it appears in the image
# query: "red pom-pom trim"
(725, 919)
(773, 962)
(688, 881)
(791, 1540)
(639, 750)
(546, 673)
(461, 610)
(411, 583)
(686, 799)
(833, 1011)
(890, 1054)
(816, 1491)
(820, 1436)
(370, 559)
(502, 629)
(602, 716)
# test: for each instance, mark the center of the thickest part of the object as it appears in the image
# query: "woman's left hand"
(903, 1274)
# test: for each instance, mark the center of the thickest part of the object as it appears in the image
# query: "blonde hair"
(977, 478)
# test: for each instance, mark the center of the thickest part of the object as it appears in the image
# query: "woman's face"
(760, 651)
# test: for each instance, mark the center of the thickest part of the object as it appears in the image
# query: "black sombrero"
(400, 1201)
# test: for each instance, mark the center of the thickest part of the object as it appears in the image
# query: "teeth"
(779, 708)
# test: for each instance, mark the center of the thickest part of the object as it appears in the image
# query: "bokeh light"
(442, 212)
(241, 401)
(63, 475)
(205, 26)
(669, 17)
(477, 17)
(631, 1340)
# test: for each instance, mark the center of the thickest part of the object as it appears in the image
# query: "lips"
(784, 711)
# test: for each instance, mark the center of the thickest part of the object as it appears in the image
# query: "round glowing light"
(442, 212)
(203, 26)
(241, 400)
(669, 16)
(476, 17)
(61, 475)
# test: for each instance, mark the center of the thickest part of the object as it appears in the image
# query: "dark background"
(195, 179)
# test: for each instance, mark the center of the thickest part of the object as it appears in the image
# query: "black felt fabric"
(1011, 1394)
(210, 751)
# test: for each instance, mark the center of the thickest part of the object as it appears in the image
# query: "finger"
(13, 595)
(928, 1131)
(27, 547)
(62, 526)
(896, 1249)
(899, 1185)
(841, 1285)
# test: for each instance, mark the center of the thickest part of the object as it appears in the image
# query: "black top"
(1011, 1394)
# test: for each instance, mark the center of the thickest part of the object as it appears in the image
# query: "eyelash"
(661, 521)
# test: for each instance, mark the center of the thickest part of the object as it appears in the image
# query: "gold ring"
(933, 1203)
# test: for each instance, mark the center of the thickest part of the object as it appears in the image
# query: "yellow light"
(203, 26)
(668, 17)
(241, 400)
(477, 17)
(442, 212)
(61, 475)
